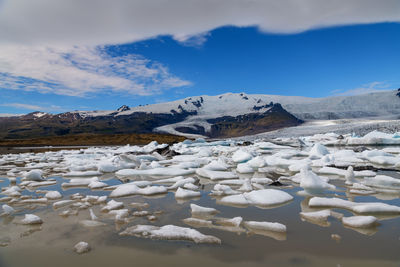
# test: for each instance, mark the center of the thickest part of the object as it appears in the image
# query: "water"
(304, 244)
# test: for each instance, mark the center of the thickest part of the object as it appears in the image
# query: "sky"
(59, 55)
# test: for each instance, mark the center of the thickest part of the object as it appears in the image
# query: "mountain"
(226, 115)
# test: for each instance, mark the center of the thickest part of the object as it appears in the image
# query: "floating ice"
(62, 203)
(360, 221)
(312, 183)
(244, 168)
(91, 223)
(266, 226)
(234, 222)
(267, 197)
(120, 215)
(181, 183)
(216, 175)
(169, 232)
(79, 182)
(264, 198)
(31, 219)
(112, 205)
(133, 189)
(53, 195)
(82, 247)
(216, 166)
(167, 171)
(318, 151)
(183, 193)
(96, 184)
(7, 210)
(82, 173)
(383, 181)
(357, 207)
(199, 210)
(241, 156)
(318, 217)
(223, 190)
(33, 175)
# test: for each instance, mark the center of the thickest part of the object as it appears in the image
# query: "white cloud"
(32, 107)
(81, 71)
(364, 89)
(9, 114)
(96, 22)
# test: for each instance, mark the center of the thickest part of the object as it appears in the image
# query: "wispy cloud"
(32, 107)
(81, 71)
(364, 89)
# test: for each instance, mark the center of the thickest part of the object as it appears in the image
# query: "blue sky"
(315, 62)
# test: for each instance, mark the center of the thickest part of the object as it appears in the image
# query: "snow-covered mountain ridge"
(307, 108)
(226, 115)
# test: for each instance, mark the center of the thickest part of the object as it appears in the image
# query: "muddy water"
(305, 243)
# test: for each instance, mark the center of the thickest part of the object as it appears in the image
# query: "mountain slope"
(224, 115)
(220, 116)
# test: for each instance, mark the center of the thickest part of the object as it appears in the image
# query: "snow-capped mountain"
(230, 104)
(226, 115)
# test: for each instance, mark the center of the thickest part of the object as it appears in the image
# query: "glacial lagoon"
(281, 202)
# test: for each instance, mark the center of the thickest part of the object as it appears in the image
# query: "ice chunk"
(241, 156)
(267, 197)
(350, 176)
(318, 217)
(266, 226)
(82, 173)
(33, 175)
(62, 203)
(7, 210)
(183, 193)
(357, 207)
(261, 180)
(199, 210)
(235, 221)
(96, 185)
(190, 186)
(236, 200)
(216, 166)
(182, 182)
(257, 162)
(244, 168)
(216, 175)
(383, 181)
(170, 232)
(31, 219)
(120, 215)
(263, 198)
(42, 183)
(82, 247)
(360, 221)
(312, 183)
(246, 187)
(112, 205)
(222, 190)
(53, 195)
(92, 215)
(91, 223)
(318, 151)
(167, 171)
(132, 189)
(79, 182)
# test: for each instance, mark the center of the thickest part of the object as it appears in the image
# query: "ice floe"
(169, 232)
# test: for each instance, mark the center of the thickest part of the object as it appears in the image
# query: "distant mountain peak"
(123, 108)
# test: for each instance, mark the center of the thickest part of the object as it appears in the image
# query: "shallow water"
(305, 243)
